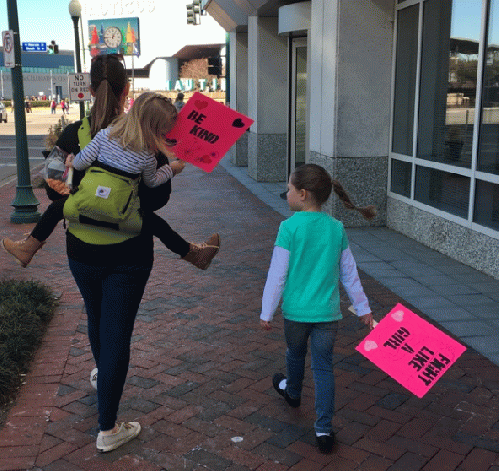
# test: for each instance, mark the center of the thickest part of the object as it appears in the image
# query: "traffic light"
(194, 12)
(53, 48)
(215, 66)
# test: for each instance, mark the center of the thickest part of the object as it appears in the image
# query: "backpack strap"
(84, 133)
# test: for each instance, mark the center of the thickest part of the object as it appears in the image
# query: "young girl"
(311, 256)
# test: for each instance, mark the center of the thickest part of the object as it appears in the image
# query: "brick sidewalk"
(201, 369)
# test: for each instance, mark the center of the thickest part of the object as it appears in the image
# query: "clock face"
(112, 37)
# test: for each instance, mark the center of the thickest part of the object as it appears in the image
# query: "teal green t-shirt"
(315, 242)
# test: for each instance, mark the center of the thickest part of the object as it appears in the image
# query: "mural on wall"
(114, 36)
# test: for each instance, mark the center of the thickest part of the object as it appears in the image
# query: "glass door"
(298, 120)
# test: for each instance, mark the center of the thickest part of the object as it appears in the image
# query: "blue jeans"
(322, 336)
(112, 297)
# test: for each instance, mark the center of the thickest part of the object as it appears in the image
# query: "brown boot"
(201, 255)
(22, 250)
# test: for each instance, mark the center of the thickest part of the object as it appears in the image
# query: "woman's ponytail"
(106, 107)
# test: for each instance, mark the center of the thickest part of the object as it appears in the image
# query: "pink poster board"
(205, 131)
(412, 351)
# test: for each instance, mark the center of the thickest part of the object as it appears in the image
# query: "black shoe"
(325, 443)
(276, 380)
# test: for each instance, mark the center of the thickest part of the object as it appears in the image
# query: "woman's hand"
(177, 166)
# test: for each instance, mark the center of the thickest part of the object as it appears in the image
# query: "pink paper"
(205, 131)
(412, 351)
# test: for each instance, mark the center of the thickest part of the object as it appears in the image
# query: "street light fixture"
(25, 203)
(75, 13)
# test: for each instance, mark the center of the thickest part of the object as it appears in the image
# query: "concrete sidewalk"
(201, 369)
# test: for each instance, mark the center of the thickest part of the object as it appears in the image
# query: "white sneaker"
(126, 431)
(93, 378)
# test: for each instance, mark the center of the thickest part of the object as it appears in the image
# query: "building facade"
(397, 99)
(43, 74)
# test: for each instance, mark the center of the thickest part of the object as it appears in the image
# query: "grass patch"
(26, 308)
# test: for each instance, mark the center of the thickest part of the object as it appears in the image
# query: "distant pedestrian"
(28, 106)
(12, 106)
(63, 106)
(179, 101)
(66, 106)
(311, 256)
(53, 106)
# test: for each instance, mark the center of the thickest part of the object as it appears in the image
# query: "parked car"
(3, 113)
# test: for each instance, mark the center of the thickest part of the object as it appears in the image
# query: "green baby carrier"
(105, 208)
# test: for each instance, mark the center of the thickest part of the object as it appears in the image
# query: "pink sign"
(412, 351)
(205, 131)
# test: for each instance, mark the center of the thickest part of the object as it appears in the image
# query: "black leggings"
(150, 222)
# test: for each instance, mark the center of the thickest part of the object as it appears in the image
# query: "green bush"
(40, 104)
(26, 308)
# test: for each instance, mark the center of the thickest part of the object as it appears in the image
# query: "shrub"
(26, 308)
(55, 132)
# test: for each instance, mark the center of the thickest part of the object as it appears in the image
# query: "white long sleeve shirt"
(276, 280)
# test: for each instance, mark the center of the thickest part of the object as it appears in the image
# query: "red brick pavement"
(201, 369)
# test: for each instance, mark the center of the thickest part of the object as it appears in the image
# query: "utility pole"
(25, 203)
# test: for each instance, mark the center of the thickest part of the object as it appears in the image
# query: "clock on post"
(113, 37)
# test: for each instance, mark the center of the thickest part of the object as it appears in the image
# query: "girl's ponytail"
(315, 179)
(368, 211)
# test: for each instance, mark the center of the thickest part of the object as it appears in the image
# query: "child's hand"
(69, 160)
(177, 166)
(368, 320)
(265, 325)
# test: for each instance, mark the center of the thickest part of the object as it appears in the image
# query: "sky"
(163, 28)
(42, 22)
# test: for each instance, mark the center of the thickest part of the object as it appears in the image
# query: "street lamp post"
(75, 13)
(25, 203)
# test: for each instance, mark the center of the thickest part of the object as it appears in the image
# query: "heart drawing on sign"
(370, 345)
(205, 159)
(398, 316)
(208, 158)
(200, 104)
(238, 123)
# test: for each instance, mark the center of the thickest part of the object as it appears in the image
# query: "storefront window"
(488, 150)
(405, 80)
(458, 82)
(449, 63)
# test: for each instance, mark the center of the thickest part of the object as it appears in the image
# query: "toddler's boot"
(201, 255)
(22, 250)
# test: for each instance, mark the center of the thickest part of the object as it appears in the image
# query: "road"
(37, 127)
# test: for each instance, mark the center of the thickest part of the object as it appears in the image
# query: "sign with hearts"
(412, 351)
(205, 131)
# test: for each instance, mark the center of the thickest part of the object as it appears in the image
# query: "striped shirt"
(109, 152)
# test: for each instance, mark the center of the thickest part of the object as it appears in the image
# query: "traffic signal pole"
(25, 203)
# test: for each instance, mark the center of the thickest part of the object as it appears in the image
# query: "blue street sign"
(34, 47)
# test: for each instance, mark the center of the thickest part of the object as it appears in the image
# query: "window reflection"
(488, 150)
(445, 191)
(449, 64)
(405, 80)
